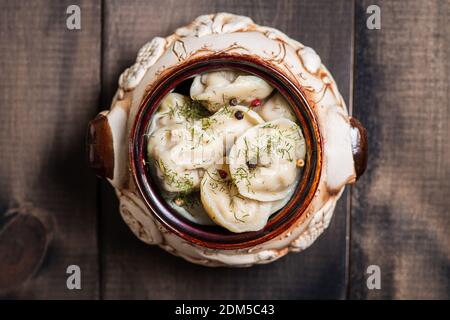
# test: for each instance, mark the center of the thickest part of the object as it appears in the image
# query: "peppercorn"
(251, 165)
(233, 102)
(239, 115)
(223, 174)
(255, 103)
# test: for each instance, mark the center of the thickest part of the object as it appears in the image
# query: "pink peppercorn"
(255, 103)
(223, 174)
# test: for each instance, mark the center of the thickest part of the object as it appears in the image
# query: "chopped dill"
(193, 110)
(207, 123)
(217, 183)
(269, 125)
(225, 110)
(190, 110)
(242, 174)
(246, 148)
(183, 183)
(269, 146)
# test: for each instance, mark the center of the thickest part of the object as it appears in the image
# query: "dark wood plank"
(131, 269)
(49, 89)
(400, 215)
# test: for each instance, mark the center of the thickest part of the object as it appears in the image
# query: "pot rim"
(216, 237)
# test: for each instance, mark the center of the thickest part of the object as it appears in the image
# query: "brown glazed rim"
(214, 236)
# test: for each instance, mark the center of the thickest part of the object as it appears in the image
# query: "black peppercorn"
(251, 165)
(239, 115)
(233, 102)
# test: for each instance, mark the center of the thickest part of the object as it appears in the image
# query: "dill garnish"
(225, 110)
(246, 148)
(269, 146)
(269, 125)
(183, 183)
(218, 183)
(190, 110)
(193, 110)
(242, 173)
(207, 123)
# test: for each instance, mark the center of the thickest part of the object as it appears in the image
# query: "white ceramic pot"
(337, 143)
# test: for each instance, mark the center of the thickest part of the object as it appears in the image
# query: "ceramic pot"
(336, 143)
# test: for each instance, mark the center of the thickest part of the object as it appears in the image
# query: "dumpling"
(275, 108)
(230, 122)
(180, 151)
(169, 109)
(188, 145)
(265, 160)
(279, 204)
(227, 207)
(176, 108)
(214, 89)
(174, 178)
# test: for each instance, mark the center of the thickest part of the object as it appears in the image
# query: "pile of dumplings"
(230, 153)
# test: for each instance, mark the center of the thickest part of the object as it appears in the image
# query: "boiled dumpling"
(264, 161)
(180, 152)
(275, 108)
(227, 207)
(214, 89)
(230, 122)
(188, 145)
(176, 108)
(174, 178)
(279, 204)
(169, 110)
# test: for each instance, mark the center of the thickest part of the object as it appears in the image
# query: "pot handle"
(359, 146)
(100, 149)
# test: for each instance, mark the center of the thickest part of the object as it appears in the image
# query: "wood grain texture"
(49, 90)
(131, 269)
(400, 213)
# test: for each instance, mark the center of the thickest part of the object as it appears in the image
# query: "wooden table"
(53, 81)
